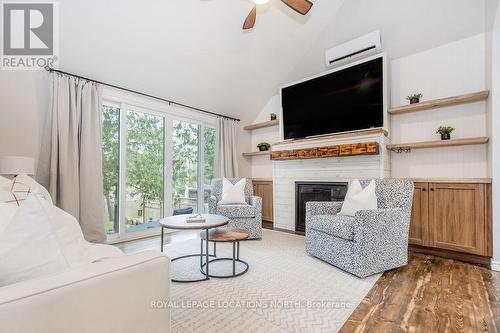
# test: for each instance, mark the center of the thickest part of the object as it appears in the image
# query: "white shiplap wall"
(286, 173)
(452, 69)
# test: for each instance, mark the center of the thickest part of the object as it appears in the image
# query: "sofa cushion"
(243, 211)
(341, 226)
(40, 239)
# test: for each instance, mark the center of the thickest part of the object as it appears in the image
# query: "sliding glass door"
(144, 185)
(154, 165)
(186, 156)
(111, 166)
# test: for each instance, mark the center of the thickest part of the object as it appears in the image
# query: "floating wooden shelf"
(256, 153)
(438, 103)
(269, 123)
(352, 149)
(400, 147)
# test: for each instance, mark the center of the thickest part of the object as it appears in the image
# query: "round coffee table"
(226, 236)
(178, 222)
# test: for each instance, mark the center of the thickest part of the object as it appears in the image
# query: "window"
(110, 165)
(186, 140)
(209, 158)
(144, 171)
(155, 164)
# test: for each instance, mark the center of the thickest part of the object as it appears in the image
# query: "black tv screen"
(347, 100)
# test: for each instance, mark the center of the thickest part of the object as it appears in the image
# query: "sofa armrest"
(256, 202)
(212, 205)
(323, 208)
(113, 295)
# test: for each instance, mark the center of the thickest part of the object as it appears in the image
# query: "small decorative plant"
(273, 116)
(445, 132)
(263, 146)
(414, 98)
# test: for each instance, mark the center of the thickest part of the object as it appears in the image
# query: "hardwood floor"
(430, 294)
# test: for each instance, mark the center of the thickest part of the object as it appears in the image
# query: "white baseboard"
(495, 265)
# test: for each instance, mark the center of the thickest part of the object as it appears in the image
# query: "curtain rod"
(50, 69)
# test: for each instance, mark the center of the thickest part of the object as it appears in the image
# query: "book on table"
(197, 218)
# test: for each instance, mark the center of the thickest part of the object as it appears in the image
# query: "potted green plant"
(263, 146)
(445, 132)
(273, 116)
(414, 98)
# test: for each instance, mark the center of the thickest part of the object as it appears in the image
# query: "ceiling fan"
(300, 6)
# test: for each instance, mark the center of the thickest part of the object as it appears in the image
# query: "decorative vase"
(445, 136)
(273, 116)
(262, 148)
(414, 100)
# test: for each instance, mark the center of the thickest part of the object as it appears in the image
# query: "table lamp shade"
(15, 165)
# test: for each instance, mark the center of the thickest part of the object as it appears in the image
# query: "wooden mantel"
(343, 150)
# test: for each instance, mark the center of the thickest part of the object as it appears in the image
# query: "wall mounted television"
(349, 99)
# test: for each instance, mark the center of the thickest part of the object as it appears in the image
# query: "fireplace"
(315, 191)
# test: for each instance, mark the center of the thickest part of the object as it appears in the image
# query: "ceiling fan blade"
(300, 6)
(250, 20)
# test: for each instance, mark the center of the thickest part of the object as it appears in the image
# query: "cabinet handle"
(423, 190)
(432, 190)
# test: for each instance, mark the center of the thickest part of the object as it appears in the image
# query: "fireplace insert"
(315, 191)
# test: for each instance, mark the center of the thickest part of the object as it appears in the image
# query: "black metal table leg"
(161, 239)
(207, 274)
(234, 260)
(201, 253)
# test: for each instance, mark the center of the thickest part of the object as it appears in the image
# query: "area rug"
(284, 290)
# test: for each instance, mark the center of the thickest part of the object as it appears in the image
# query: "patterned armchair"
(247, 217)
(372, 241)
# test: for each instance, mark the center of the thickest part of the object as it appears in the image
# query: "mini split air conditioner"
(354, 49)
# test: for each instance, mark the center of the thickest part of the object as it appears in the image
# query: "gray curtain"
(70, 162)
(226, 156)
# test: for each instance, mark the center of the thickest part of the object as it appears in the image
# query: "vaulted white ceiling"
(194, 51)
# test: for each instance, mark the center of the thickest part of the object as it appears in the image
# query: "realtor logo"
(29, 34)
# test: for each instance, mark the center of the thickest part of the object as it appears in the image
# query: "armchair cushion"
(237, 211)
(217, 187)
(233, 193)
(358, 198)
(341, 226)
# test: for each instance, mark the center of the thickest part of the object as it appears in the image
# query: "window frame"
(132, 102)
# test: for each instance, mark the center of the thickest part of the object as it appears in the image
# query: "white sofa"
(114, 294)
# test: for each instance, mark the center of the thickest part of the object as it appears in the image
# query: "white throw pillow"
(233, 194)
(24, 185)
(40, 239)
(358, 198)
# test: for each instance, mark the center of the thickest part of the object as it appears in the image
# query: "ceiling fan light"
(260, 2)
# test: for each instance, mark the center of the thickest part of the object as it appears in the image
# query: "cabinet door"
(457, 217)
(419, 227)
(264, 189)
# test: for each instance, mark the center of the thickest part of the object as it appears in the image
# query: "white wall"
(23, 104)
(262, 166)
(448, 70)
(495, 137)
(407, 27)
(451, 69)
